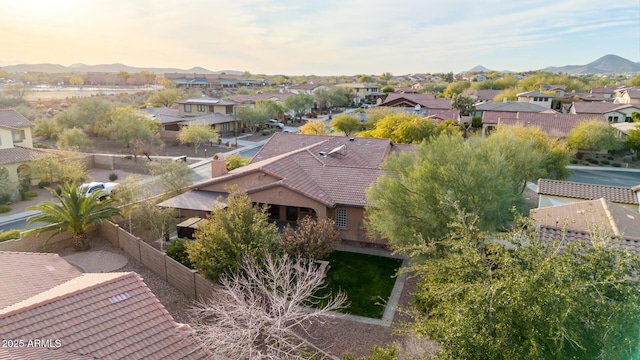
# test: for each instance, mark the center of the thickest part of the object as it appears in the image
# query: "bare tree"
(255, 313)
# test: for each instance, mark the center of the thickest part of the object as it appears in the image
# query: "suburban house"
(219, 81)
(67, 314)
(581, 220)
(218, 113)
(608, 92)
(612, 112)
(508, 106)
(300, 175)
(622, 129)
(363, 93)
(168, 117)
(557, 192)
(16, 146)
(629, 95)
(405, 90)
(416, 101)
(536, 97)
(554, 124)
(308, 89)
(559, 90)
(481, 96)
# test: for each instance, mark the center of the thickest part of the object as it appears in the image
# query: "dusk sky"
(320, 37)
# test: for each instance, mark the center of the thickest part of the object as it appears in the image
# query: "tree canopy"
(253, 118)
(402, 128)
(314, 127)
(196, 134)
(593, 135)
(346, 123)
(566, 300)
(299, 104)
(131, 129)
(231, 233)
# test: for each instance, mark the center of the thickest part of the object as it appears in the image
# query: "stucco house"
(217, 113)
(536, 97)
(363, 92)
(612, 112)
(629, 95)
(300, 175)
(16, 146)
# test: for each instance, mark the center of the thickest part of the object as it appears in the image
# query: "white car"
(277, 123)
(107, 187)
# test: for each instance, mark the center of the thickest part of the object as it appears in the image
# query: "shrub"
(43, 184)
(574, 161)
(265, 132)
(177, 250)
(311, 239)
(40, 146)
(593, 161)
(113, 177)
(476, 122)
(579, 155)
(586, 163)
(627, 159)
(615, 164)
(610, 158)
(9, 235)
(605, 162)
(30, 194)
(4, 209)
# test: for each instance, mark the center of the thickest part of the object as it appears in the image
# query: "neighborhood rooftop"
(570, 189)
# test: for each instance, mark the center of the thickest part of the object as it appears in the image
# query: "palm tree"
(76, 212)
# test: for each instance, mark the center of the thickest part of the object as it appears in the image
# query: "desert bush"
(113, 177)
(9, 235)
(265, 132)
(593, 161)
(30, 194)
(605, 162)
(627, 159)
(615, 164)
(574, 161)
(43, 184)
(312, 238)
(4, 208)
(177, 250)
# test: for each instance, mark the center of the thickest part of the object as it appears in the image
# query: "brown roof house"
(614, 113)
(300, 175)
(51, 310)
(582, 220)
(16, 146)
(218, 113)
(557, 192)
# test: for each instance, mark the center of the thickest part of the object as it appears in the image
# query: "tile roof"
(295, 160)
(483, 95)
(510, 106)
(426, 101)
(17, 154)
(599, 215)
(165, 114)
(556, 125)
(633, 93)
(534, 94)
(26, 274)
(104, 316)
(442, 114)
(570, 189)
(492, 117)
(600, 107)
(589, 96)
(10, 118)
(253, 98)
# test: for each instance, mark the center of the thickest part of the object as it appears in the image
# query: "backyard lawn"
(366, 279)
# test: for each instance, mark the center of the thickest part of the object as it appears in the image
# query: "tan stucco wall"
(245, 182)
(6, 141)
(285, 197)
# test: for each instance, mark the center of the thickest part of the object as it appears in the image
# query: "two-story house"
(217, 113)
(363, 92)
(16, 146)
(536, 97)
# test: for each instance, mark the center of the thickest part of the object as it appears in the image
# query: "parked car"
(108, 187)
(277, 123)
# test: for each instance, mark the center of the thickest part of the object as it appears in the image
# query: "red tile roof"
(297, 162)
(27, 274)
(12, 119)
(492, 117)
(426, 101)
(570, 189)
(600, 216)
(17, 154)
(600, 108)
(104, 316)
(555, 125)
(253, 98)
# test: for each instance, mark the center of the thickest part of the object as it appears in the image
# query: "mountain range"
(109, 68)
(608, 64)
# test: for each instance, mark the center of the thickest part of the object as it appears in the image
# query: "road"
(609, 177)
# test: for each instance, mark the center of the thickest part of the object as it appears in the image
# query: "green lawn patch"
(366, 279)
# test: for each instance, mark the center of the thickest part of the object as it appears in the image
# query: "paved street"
(620, 177)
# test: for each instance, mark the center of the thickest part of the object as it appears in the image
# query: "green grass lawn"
(366, 279)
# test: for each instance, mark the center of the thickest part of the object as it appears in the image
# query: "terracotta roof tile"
(253, 98)
(600, 108)
(17, 154)
(556, 125)
(27, 274)
(570, 189)
(107, 316)
(296, 161)
(509, 106)
(13, 119)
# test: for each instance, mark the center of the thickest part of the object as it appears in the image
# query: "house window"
(187, 108)
(224, 127)
(18, 135)
(341, 218)
(201, 108)
(229, 109)
(211, 109)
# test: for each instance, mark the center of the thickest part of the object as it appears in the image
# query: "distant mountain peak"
(479, 68)
(608, 64)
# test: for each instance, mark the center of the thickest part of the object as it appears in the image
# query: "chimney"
(218, 165)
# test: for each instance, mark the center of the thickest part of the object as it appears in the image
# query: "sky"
(319, 37)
